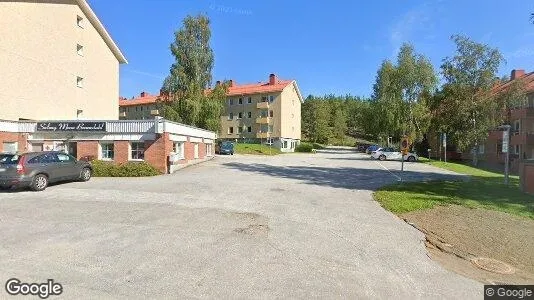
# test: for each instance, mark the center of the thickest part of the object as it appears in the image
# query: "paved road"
(291, 226)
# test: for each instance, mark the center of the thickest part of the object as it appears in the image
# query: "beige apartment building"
(265, 112)
(57, 62)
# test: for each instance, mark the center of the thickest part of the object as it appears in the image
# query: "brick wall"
(527, 177)
(12, 137)
(201, 150)
(156, 152)
(189, 151)
(87, 148)
(121, 149)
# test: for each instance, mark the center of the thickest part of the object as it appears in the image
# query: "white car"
(393, 154)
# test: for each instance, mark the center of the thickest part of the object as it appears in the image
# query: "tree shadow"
(341, 177)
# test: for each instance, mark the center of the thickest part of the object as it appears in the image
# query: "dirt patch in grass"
(456, 235)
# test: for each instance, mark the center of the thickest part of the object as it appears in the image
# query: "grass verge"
(256, 149)
(485, 190)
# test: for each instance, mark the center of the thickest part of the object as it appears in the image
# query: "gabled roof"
(143, 99)
(528, 80)
(258, 88)
(90, 14)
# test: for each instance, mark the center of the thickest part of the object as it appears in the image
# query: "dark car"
(371, 148)
(224, 148)
(362, 147)
(37, 169)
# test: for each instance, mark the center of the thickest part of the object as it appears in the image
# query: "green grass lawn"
(485, 190)
(256, 149)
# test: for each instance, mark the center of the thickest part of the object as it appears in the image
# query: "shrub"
(129, 169)
(304, 147)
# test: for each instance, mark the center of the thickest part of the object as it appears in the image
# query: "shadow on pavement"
(344, 177)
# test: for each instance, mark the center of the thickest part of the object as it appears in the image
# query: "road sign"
(405, 144)
(505, 141)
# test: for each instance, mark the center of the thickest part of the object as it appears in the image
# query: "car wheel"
(382, 157)
(232, 153)
(411, 158)
(39, 183)
(85, 174)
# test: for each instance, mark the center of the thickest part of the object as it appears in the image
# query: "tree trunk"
(475, 155)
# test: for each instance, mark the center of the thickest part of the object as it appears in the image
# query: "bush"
(304, 147)
(129, 169)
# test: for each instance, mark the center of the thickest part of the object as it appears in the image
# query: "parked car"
(371, 148)
(362, 147)
(393, 154)
(224, 148)
(37, 169)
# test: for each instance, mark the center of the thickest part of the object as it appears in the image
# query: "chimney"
(272, 79)
(143, 94)
(218, 83)
(516, 74)
(231, 83)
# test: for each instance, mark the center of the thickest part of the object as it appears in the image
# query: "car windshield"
(7, 159)
(227, 145)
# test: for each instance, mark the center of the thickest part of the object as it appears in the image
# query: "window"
(10, 147)
(137, 150)
(209, 149)
(231, 116)
(43, 159)
(196, 150)
(264, 99)
(285, 144)
(178, 149)
(249, 114)
(270, 128)
(264, 114)
(499, 148)
(249, 129)
(79, 49)
(271, 113)
(240, 101)
(141, 108)
(136, 108)
(271, 99)
(239, 129)
(231, 101)
(107, 151)
(517, 149)
(230, 130)
(65, 158)
(269, 141)
(79, 21)
(481, 149)
(517, 125)
(79, 82)
(249, 100)
(240, 115)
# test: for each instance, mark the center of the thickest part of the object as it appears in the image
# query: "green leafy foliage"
(304, 147)
(129, 169)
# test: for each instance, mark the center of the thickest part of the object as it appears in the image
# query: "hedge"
(129, 169)
(304, 147)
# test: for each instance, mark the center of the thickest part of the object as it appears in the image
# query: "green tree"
(339, 127)
(191, 101)
(468, 108)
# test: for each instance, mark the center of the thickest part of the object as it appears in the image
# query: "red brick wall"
(12, 137)
(87, 148)
(121, 149)
(201, 150)
(156, 152)
(189, 151)
(527, 178)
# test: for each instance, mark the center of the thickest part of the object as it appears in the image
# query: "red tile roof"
(258, 88)
(528, 80)
(235, 90)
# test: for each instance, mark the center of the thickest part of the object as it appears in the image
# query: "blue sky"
(328, 48)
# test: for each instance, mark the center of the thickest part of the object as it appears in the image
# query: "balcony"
(154, 112)
(262, 120)
(262, 135)
(262, 105)
(122, 114)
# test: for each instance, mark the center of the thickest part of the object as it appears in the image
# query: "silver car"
(37, 169)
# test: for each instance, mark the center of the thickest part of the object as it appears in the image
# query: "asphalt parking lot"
(289, 226)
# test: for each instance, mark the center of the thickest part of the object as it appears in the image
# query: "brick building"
(166, 145)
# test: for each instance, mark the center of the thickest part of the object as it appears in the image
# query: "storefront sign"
(71, 126)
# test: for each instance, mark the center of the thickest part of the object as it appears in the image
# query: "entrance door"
(72, 149)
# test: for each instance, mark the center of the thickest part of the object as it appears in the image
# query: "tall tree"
(468, 103)
(190, 76)
(339, 126)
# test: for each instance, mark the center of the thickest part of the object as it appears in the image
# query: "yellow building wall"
(39, 64)
(290, 113)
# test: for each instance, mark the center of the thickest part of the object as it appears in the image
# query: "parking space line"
(398, 178)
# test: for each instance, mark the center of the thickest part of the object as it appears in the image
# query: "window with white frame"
(285, 144)
(195, 150)
(249, 114)
(209, 149)
(230, 116)
(517, 149)
(249, 129)
(271, 98)
(79, 49)
(79, 82)
(178, 149)
(230, 130)
(107, 151)
(231, 101)
(481, 149)
(240, 115)
(240, 101)
(137, 150)
(249, 100)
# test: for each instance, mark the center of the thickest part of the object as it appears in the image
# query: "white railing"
(130, 126)
(182, 129)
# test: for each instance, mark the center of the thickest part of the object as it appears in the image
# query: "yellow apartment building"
(57, 62)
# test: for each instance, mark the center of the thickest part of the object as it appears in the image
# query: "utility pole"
(445, 146)
(506, 150)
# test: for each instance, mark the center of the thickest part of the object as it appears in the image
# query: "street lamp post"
(506, 149)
